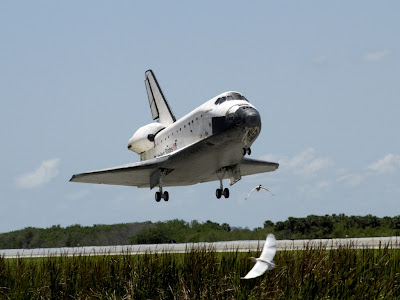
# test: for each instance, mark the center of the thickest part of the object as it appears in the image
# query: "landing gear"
(246, 150)
(160, 195)
(159, 176)
(226, 193)
(221, 191)
(249, 135)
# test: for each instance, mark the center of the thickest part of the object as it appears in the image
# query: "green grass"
(314, 273)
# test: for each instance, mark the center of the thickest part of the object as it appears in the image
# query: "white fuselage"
(193, 127)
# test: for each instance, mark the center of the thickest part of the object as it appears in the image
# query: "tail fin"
(158, 103)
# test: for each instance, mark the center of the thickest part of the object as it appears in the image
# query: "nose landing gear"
(249, 135)
(246, 150)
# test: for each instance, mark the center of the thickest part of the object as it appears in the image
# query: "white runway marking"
(241, 246)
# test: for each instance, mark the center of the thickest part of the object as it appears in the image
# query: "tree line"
(180, 231)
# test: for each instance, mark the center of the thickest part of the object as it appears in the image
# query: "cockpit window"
(229, 97)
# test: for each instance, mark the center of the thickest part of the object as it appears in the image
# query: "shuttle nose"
(252, 117)
(248, 116)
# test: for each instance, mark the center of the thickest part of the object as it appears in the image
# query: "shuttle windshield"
(231, 96)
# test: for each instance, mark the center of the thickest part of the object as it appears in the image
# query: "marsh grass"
(203, 273)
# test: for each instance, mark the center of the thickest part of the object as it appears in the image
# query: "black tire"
(226, 193)
(166, 196)
(218, 193)
(244, 151)
(158, 196)
(248, 151)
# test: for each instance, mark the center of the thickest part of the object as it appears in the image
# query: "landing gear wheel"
(218, 193)
(246, 150)
(166, 196)
(158, 196)
(226, 193)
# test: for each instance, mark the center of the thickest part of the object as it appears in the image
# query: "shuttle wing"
(158, 103)
(193, 164)
(135, 174)
(249, 166)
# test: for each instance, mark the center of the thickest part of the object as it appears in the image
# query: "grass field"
(314, 273)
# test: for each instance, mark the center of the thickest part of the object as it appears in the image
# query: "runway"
(232, 246)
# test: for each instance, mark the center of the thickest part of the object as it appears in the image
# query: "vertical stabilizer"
(158, 103)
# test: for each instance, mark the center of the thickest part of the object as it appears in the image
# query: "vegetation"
(334, 226)
(72, 236)
(317, 273)
(337, 226)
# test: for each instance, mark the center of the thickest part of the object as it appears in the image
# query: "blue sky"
(324, 76)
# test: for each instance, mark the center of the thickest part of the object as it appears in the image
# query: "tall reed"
(313, 273)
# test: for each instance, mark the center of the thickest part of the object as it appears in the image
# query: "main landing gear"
(221, 191)
(162, 195)
(159, 176)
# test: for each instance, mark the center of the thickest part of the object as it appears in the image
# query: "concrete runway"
(241, 246)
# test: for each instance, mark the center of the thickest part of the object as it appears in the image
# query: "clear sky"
(324, 76)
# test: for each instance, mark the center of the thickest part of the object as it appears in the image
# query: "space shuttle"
(211, 143)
